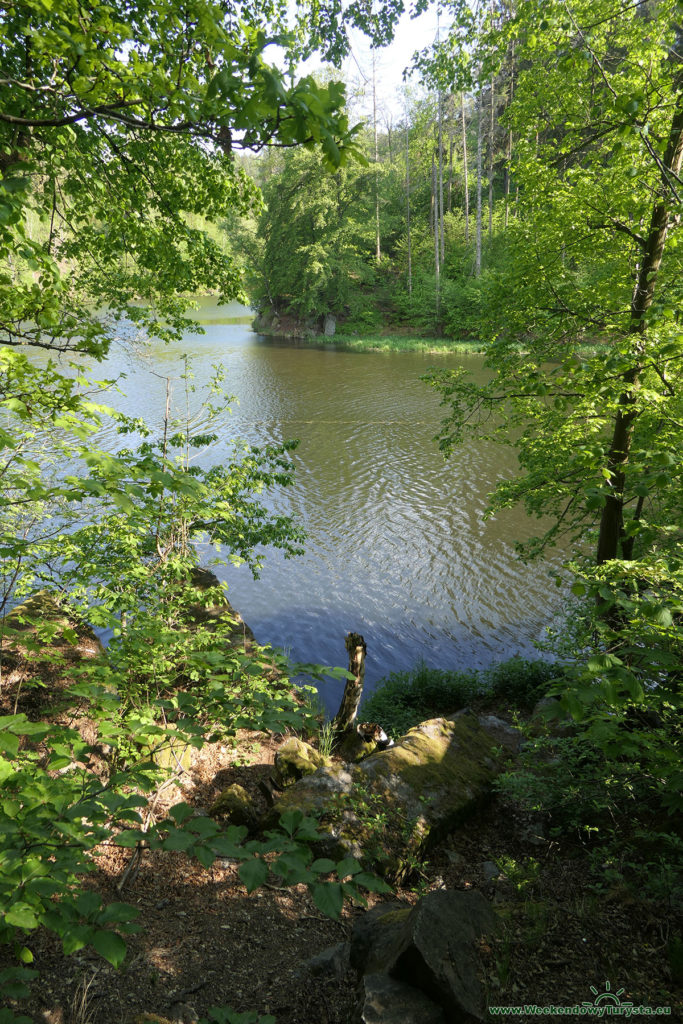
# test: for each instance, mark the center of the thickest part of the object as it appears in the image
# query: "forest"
(526, 204)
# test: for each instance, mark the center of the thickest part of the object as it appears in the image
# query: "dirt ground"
(206, 943)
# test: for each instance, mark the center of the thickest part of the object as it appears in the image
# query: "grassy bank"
(404, 343)
(378, 343)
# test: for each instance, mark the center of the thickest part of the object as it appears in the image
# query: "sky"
(411, 35)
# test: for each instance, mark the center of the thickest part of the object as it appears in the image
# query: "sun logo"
(608, 997)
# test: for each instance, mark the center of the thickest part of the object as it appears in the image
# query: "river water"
(397, 547)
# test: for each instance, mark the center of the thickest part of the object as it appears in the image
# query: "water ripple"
(397, 547)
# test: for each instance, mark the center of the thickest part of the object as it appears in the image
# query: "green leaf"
(118, 913)
(181, 812)
(324, 865)
(329, 898)
(88, 903)
(9, 743)
(129, 838)
(21, 915)
(76, 938)
(371, 882)
(110, 946)
(348, 866)
(176, 840)
(291, 820)
(205, 856)
(253, 873)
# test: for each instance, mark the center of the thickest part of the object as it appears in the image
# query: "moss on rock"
(396, 803)
(234, 803)
(296, 759)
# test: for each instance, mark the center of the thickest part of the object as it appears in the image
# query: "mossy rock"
(395, 804)
(173, 753)
(46, 608)
(296, 759)
(318, 795)
(353, 748)
(39, 608)
(234, 803)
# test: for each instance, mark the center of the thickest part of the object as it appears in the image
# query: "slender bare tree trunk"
(491, 140)
(437, 247)
(353, 691)
(378, 249)
(477, 258)
(508, 159)
(410, 257)
(451, 147)
(441, 238)
(432, 202)
(466, 183)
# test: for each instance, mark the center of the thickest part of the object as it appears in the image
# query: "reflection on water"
(397, 547)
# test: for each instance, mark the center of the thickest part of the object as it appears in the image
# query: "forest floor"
(205, 942)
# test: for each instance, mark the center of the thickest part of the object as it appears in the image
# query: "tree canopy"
(118, 120)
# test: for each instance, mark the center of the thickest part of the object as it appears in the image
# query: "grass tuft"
(404, 699)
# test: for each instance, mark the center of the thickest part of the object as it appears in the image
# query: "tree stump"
(353, 691)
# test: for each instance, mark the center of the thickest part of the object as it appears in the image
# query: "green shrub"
(405, 699)
(613, 806)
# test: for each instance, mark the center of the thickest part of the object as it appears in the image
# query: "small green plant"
(404, 699)
(326, 737)
(522, 874)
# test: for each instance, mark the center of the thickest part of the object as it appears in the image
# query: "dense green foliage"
(594, 256)
(316, 239)
(404, 699)
(118, 130)
(118, 127)
(597, 435)
(562, 254)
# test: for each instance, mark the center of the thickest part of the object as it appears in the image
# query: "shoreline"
(369, 342)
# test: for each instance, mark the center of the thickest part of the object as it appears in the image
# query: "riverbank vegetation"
(533, 201)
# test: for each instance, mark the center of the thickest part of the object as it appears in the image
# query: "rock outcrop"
(235, 806)
(423, 963)
(388, 809)
(296, 759)
(417, 965)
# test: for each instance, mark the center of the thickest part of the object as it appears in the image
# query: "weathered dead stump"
(353, 691)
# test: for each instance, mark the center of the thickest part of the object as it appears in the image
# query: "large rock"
(329, 325)
(377, 937)
(234, 804)
(432, 948)
(396, 803)
(296, 759)
(215, 608)
(386, 1000)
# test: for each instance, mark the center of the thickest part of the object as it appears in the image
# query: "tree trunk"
(509, 139)
(491, 135)
(378, 250)
(466, 184)
(451, 146)
(353, 691)
(437, 247)
(441, 239)
(477, 258)
(611, 521)
(410, 258)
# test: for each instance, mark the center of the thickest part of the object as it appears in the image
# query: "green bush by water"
(405, 699)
